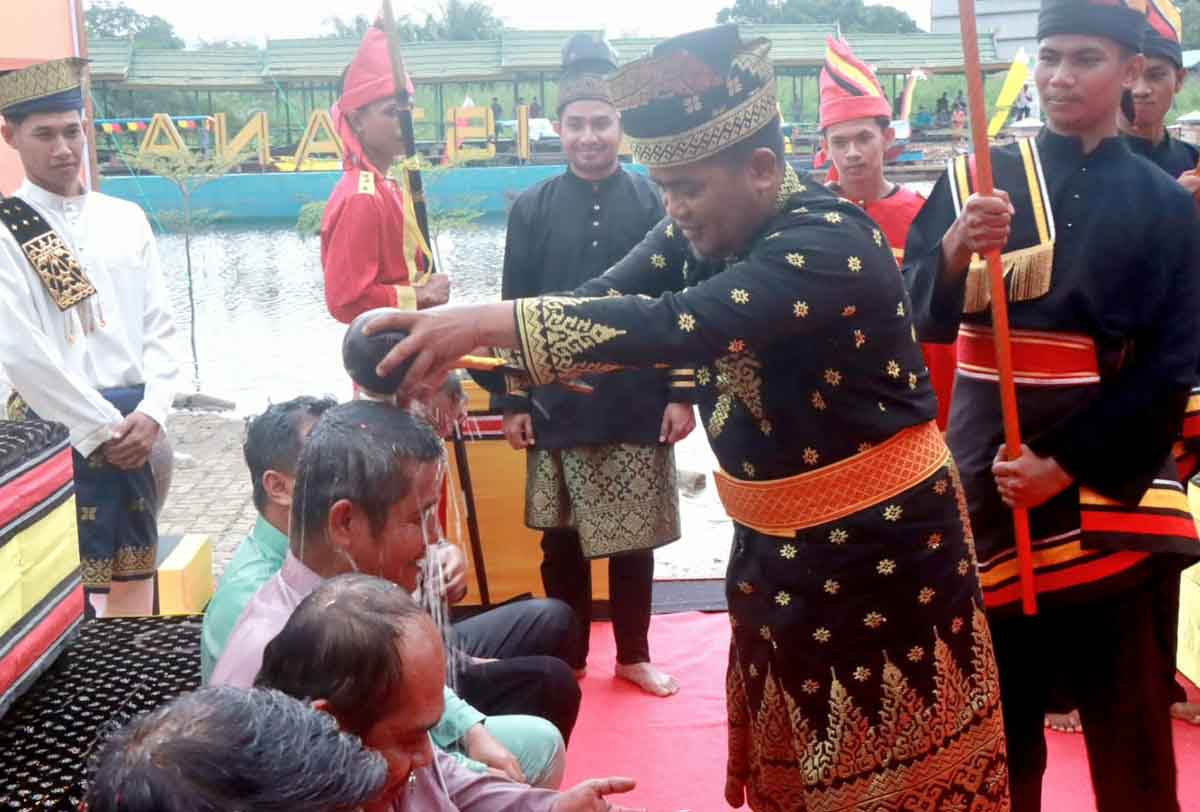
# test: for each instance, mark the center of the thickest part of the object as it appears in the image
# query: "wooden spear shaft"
(1008, 390)
(400, 76)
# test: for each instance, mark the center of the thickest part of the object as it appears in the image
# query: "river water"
(264, 335)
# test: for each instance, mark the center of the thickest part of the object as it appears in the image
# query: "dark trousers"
(567, 576)
(530, 641)
(1167, 607)
(1108, 659)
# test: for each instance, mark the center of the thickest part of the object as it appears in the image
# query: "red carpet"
(675, 747)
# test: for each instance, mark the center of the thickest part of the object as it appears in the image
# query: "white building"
(1014, 22)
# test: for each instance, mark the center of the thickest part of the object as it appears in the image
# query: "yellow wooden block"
(185, 581)
(1187, 659)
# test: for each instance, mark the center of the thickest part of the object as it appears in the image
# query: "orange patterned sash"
(780, 507)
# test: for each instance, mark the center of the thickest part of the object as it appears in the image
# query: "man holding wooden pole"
(1101, 259)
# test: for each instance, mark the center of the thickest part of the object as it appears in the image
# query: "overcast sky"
(256, 20)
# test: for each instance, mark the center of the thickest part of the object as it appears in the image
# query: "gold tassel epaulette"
(1027, 275)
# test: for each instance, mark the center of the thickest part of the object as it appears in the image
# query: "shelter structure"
(298, 76)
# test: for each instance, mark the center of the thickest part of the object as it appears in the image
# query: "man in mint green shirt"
(272, 449)
(521, 747)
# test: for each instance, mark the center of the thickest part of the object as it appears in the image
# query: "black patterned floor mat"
(113, 670)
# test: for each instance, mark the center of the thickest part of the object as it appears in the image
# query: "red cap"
(368, 79)
(849, 89)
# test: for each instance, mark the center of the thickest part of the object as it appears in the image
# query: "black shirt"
(562, 233)
(1171, 155)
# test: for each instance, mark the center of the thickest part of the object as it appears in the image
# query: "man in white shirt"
(84, 330)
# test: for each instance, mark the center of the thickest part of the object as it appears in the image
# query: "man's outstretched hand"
(589, 796)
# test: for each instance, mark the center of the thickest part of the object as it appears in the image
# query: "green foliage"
(1190, 9)
(454, 20)
(187, 170)
(112, 18)
(851, 15)
(308, 223)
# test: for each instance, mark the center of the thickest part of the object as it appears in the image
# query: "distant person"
(520, 102)
(960, 101)
(86, 332)
(1023, 105)
(943, 106)
(221, 749)
(535, 108)
(360, 649)
(372, 252)
(497, 109)
(600, 479)
(367, 487)
(857, 134)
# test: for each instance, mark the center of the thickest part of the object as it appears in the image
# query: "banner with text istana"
(34, 31)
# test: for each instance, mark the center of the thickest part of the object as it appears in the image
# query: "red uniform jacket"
(895, 214)
(362, 247)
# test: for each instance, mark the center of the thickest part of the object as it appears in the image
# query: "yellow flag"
(1013, 83)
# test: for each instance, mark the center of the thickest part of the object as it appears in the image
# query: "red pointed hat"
(369, 77)
(849, 89)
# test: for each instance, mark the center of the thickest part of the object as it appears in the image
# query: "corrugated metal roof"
(208, 68)
(631, 48)
(110, 58)
(297, 60)
(308, 59)
(938, 53)
(430, 62)
(534, 50)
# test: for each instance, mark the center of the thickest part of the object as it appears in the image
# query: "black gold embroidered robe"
(1126, 275)
(861, 673)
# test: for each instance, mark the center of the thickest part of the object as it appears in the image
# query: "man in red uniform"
(857, 130)
(371, 249)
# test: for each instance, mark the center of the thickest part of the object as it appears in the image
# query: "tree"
(188, 171)
(354, 28)
(850, 15)
(112, 18)
(1190, 9)
(463, 20)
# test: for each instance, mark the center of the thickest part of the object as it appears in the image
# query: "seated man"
(271, 449)
(362, 650)
(224, 748)
(367, 486)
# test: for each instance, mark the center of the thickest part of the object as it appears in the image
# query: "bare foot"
(1187, 711)
(647, 677)
(1064, 722)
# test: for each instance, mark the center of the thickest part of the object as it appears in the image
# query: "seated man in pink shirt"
(365, 499)
(362, 650)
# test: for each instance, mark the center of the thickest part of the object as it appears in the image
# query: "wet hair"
(344, 644)
(223, 748)
(362, 451)
(452, 388)
(273, 440)
(769, 136)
